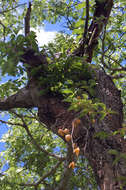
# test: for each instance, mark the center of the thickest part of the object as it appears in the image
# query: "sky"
(44, 36)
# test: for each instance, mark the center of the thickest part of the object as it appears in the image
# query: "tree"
(75, 137)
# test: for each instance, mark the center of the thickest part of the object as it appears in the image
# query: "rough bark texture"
(54, 112)
(106, 172)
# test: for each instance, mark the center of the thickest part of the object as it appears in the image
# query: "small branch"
(87, 19)
(51, 172)
(39, 147)
(10, 123)
(103, 46)
(85, 28)
(113, 70)
(27, 20)
(69, 23)
(65, 176)
(118, 76)
(24, 125)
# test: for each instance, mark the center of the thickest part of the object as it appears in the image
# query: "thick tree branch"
(100, 18)
(27, 98)
(22, 99)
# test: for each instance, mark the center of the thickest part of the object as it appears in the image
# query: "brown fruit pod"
(60, 132)
(67, 138)
(66, 131)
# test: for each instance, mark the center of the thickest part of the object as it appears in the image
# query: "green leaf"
(113, 152)
(79, 23)
(81, 5)
(67, 91)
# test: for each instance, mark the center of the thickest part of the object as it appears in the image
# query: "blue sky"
(3, 130)
(5, 117)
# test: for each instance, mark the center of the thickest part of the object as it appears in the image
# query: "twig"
(118, 76)
(4, 29)
(7, 10)
(39, 147)
(120, 68)
(10, 123)
(65, 177)
(52, 171)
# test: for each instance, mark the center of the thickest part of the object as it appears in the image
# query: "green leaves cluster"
(11, 52)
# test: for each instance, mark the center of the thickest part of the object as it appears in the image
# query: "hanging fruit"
(67, 138)
(66, 131)
(72, 165)
(76, 151)
(61, 132)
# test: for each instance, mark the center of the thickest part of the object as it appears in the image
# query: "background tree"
(75, 137)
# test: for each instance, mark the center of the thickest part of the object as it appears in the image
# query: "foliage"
(26, 163)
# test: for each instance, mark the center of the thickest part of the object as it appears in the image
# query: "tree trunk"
(107, 173)
(53, 112)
